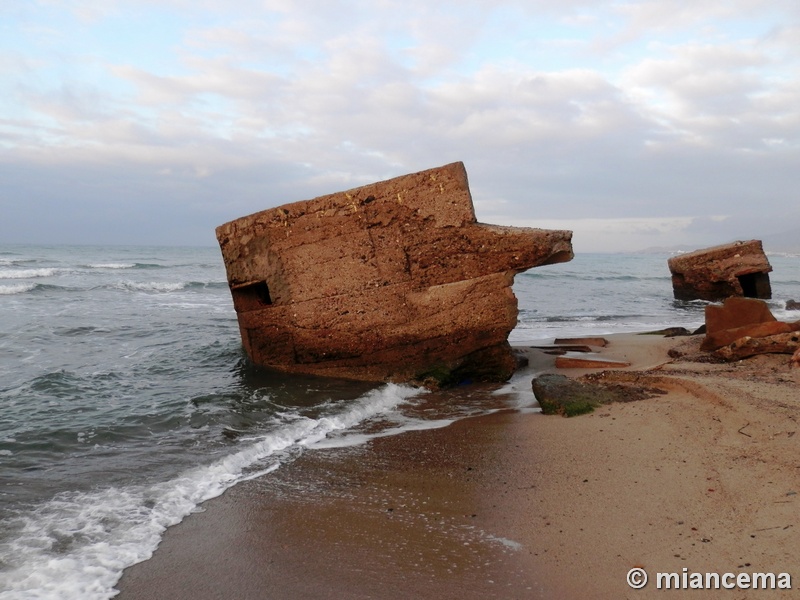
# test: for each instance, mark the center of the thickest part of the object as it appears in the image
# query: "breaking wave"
(122, 265)
(165, 286)
(28, 273)
(77, 544)
(20, 288)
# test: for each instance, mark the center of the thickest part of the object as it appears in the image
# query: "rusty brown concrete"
(719, 272)
(393, 281)
(737, 318)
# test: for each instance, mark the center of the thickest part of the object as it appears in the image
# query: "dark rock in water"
(560, 395)
(737, 269)
(393, 281)
(792, 305)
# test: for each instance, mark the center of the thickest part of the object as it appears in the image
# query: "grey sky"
(634, 123)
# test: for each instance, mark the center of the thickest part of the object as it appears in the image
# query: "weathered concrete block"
(759, 330)
(738, 318)
(395, 281)
(736, 312)
(581, 362)
(737, 269)
(745, 347)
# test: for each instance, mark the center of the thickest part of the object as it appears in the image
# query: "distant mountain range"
(669, 249)
(784, 242)
(788, 241)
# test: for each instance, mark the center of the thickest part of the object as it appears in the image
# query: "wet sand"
(403, 517)
(518, 504)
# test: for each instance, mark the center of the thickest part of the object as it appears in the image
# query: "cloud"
(633, 234)
(649, 113)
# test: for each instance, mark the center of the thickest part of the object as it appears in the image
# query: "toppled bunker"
(393, 281)
(736, 269)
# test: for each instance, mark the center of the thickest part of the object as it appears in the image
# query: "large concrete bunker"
(393, 281)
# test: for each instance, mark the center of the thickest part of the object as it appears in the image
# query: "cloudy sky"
(634, 123)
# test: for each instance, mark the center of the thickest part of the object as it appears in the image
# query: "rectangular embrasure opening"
(251, 297)
(755, 285)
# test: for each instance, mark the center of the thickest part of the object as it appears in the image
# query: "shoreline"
(517, 504)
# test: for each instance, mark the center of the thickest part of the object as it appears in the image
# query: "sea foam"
(151, 286)
(77, 544)
(112, 266)
(20, 288)
(27, 273)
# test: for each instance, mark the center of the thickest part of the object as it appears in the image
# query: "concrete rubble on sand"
(744, 327)
(589, 359)
(737, 329)
(393, 281)
(737, 318)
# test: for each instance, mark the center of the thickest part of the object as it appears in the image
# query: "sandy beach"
(703, 477)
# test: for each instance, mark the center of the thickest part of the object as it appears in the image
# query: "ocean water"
(619, 293)
(126, 400)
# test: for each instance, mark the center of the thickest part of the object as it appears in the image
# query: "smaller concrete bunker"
(736, 269)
